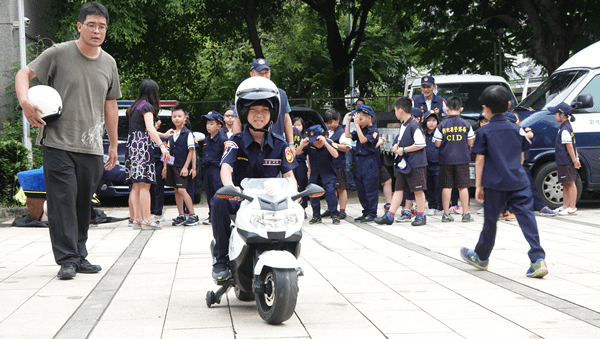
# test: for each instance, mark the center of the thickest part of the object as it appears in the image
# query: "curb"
(11, 212)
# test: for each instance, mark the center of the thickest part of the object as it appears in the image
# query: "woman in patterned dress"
(139, 156)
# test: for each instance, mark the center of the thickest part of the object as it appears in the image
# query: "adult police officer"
(428, 101)
(256, 152)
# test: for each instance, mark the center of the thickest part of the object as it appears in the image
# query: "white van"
(576, 82)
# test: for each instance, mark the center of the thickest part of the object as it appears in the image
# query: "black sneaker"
(314, 220)
(179, 220)
(361, 218)
(67, 271)
(384, 220)
(419, 221)
(220, 271)
(342, 215)
(368, 218)
(192, 221)
(84, 266)
(335, 219)
(326, 214)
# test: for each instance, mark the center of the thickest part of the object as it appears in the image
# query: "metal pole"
(352, 62)
(23, 59)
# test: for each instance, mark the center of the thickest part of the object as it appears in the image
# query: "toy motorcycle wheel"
(278, 302)
(210, 298)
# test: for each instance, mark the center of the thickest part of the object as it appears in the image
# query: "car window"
(593, 88)
(468, 92)
(554, 90)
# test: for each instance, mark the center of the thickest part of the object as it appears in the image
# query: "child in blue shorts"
(367, 164)
(321, 154)
(499, 179)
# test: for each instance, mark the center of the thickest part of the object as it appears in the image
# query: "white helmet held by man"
(48, 100)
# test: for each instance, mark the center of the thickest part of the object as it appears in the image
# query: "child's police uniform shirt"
(179, 145)
(212, 150)
(453, 132)
(284, 107)
(251, 160)
(431, 151)
(297, 141)
(340, 161)
(411, 134)
(564, 136)
(367, 148)
(502, 143)
(321, 162)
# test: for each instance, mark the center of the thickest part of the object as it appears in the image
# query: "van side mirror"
(583, 101)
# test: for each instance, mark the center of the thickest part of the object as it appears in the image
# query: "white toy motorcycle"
(264, 246)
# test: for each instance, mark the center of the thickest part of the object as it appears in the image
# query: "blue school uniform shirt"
(564, 136)
(321, 162)
(249, 159)
(454, 132)
(502, 143)
(212, 150)
(284, 107)
(367, 148)
(340, 161)
(411, 134)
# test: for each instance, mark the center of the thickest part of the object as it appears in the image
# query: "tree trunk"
(250, 17)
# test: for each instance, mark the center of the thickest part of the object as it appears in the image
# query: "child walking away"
(321, 154)
(566, 158)
(181, 145)
(212, 150)
(499, 179)
(367, 166)
(139, 159)
(454, 137)
(411, 162)
(433, 194)
(342, 145)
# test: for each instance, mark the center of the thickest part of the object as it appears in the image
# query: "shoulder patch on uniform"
(289, 155)
(374, 135)
(229, 146)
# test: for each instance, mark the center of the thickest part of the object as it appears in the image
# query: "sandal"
(135, 224)
(152, 225)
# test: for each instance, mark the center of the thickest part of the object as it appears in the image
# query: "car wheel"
(551, 191)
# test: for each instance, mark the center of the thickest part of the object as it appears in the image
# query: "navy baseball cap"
(430, 114)
(214, 115)
(314, 131)
(248, 103)
(510, 117)
(365, 109)
(563, 108)
(427, 80)
(416, 112)
(403, 165)
(260, 64)
(481, 117)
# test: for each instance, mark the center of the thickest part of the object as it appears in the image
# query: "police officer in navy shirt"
(428, 101)
(500, 178)
(256, 152)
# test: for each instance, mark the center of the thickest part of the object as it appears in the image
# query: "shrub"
(13, 159)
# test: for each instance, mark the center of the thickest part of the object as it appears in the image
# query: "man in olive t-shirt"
(87, 80)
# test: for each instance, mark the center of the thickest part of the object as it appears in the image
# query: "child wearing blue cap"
(499, 179)
(409, 147)
(367, 164)
(322, 172)
(212, 150)
(454, 137)
(566, 158)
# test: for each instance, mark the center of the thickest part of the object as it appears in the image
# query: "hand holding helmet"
(43, 105)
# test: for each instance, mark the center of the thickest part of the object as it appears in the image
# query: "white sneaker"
(568, 211)
(206, 221)
(431, 211)
(480, 211)
(559, 210)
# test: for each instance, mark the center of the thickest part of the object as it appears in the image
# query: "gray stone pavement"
(361, 281)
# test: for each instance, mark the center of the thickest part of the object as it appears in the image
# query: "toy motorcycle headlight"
(272, 220)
